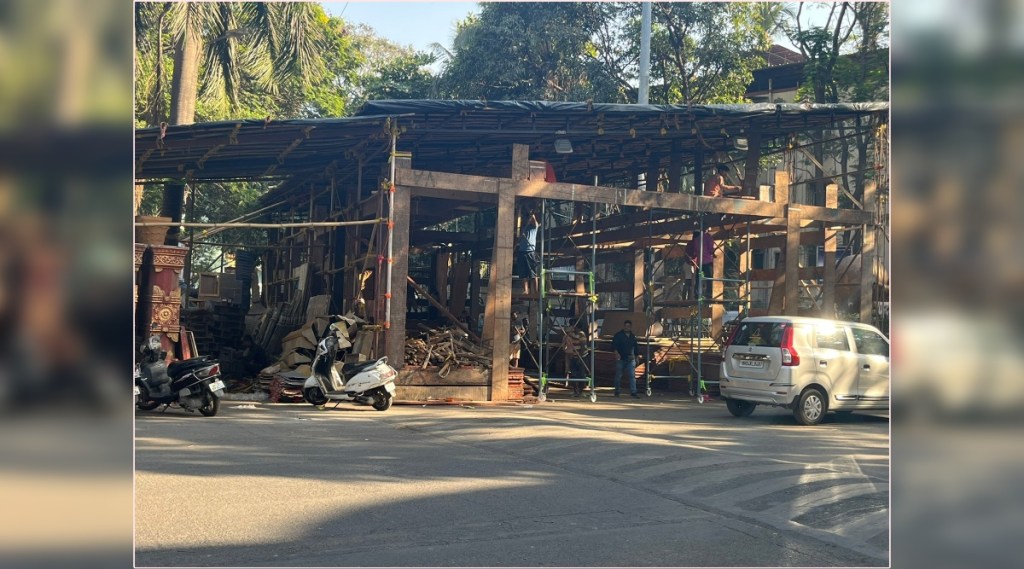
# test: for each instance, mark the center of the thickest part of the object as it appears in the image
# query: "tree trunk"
(184, 87)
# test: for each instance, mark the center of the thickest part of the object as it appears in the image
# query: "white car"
(809, 365)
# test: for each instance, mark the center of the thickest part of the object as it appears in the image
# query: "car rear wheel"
(810, 408)
(740, 408)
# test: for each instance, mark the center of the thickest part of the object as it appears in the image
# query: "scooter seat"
(352, 369)
(184, 366)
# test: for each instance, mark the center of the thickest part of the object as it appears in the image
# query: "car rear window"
(765, 334)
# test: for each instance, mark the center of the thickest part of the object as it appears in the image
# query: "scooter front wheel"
(314, 396)
(143, 402)
(382, 400)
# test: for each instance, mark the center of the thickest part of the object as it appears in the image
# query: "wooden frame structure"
(416, 165)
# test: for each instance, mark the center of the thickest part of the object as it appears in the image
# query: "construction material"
(441, 308)
(445, 349)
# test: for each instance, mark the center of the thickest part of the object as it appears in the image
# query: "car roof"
(807, 320)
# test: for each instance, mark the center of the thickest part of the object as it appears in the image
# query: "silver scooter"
(367, 383)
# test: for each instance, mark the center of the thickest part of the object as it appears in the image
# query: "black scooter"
(192, 384)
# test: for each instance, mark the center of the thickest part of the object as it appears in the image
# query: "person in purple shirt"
(700, 252)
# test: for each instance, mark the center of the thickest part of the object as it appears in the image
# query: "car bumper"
(780, 398)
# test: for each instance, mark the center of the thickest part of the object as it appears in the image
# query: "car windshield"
(764, 334)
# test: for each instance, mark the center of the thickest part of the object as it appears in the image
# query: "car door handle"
(823, 363)
(866, 366)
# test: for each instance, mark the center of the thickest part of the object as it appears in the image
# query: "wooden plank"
(440, 307)
(792, 271)
(458, 376)
(395, 336)
(474, 294)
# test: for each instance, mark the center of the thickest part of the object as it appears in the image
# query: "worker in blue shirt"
(626, 346)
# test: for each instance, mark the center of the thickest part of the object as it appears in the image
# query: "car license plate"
(390, 387)
(752, 364)
(216, 385)
(135, 389)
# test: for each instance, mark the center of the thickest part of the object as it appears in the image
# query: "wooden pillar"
(792, 278)
(867, 257)
(498, 317)
(474, 294)
(753, 165)
(830, 236)
(653, 172)
(781, 187)
(638, 280)
(395, 338)
(698, 171)
(746, 264)
(675, 167)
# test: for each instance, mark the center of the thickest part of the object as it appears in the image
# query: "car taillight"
(789, 355)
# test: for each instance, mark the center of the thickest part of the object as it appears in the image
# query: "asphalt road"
(661, 481)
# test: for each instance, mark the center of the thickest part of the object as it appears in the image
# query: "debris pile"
(445, 348)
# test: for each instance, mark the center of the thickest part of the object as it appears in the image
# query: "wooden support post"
(792, 278)
(395, 337)
(498, 318)
(781, 187)
(698, 171)
(829, 238)
(442, 264)
(638, 280)
(474, 295)
(753, 165)
(867, 257)
(653, 172)
(746, 265)
(675, 167)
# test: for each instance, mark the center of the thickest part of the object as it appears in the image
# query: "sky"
(406, 23)
(420, 24)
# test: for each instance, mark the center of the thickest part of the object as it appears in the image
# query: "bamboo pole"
(260, 225)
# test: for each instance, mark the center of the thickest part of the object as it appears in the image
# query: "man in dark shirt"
(626, 346)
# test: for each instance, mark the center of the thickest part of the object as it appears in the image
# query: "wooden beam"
(717, 293)
(421, 180)
(474, 294)
(836, 216)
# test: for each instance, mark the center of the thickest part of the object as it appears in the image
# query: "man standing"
(528, 263)
(715, 185)
(626, 346)
(700, 252)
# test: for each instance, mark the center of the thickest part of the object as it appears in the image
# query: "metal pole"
(593, 293)
(391, 228)
(541, 339)
(645, 54)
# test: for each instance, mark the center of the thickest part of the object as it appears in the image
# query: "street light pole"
(645, 54)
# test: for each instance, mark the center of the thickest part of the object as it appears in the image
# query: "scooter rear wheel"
(314, 396)
(382, 400)
(211, 404)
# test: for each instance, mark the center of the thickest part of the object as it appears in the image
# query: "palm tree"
(216, 45)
